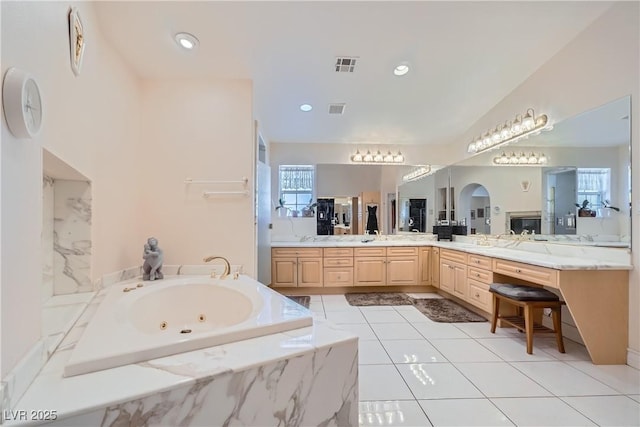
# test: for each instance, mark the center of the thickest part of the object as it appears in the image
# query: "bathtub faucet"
(227, 266)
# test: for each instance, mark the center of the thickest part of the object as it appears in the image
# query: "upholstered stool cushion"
(522, 293)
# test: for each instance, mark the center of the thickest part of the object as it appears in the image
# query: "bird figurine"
(607, 205)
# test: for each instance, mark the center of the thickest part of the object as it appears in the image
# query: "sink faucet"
(227, 266)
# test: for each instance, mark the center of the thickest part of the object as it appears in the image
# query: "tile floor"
(415, 372)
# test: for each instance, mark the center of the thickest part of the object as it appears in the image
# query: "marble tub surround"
(59, 314)
(47, 238)
(71, 236)
(316, 366)
(135, 273)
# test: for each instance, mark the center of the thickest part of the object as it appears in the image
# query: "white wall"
(199, 129)
(343, 180)
(91, 122)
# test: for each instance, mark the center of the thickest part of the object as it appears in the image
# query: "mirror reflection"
(583, 190)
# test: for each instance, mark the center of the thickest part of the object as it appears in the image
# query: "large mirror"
(582, 193)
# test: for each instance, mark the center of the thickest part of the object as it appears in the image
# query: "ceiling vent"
(345, 64)
(336, 108)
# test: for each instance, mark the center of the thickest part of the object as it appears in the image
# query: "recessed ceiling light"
(306, 107)
(186, 40)
(401, 70)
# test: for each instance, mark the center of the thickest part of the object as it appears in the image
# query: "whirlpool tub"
(140, 321)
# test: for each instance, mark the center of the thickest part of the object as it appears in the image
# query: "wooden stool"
(526, 298)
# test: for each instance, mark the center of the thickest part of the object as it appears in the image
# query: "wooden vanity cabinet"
(435, 267)
(402, 265)
(479, 277)
(296, 267)
(338, 267)
(370, 266)
(424, 274)
(453, 272)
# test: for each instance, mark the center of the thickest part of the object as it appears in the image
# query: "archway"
(475, 206)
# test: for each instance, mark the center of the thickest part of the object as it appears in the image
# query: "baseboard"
(352, 289)
(633, 358)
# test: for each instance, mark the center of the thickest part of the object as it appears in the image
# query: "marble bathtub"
(146, 320)
(299, 377)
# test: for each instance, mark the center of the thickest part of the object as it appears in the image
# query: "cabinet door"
(425, 266)
(284, 272)
(435, 267)
(460, 281)
(309, 272)
(338, 276)
(446, 276)
(370, 271)
(402, 270)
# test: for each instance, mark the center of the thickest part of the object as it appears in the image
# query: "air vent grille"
(336, 108)
(345, 64)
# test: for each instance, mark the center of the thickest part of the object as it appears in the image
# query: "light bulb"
(377, 157)
(399, 158)
(368, 157)
(528, 120)
(357, 157)
(388, 157)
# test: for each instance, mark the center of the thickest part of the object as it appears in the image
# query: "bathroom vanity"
(595, 291)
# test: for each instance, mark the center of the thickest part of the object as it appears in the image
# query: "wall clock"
(22, 103)
(76, 40)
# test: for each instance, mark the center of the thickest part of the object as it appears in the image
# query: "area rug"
(303, 300)
(378, 298)
(446, 311)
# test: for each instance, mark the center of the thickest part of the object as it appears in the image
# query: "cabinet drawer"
(530, 273)
(479, 295)
(338, 276)
(484, 276)
(370, 251)
(402, 251)
(435, 251)
(296, 252)
(338, 252)
(460, 257)
(479, 261)
(338, 262)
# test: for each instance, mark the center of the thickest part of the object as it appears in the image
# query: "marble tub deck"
(307, 376)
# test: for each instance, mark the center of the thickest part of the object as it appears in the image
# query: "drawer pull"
(477, 295)
(477, 261)
(518, 270)
(477, 275)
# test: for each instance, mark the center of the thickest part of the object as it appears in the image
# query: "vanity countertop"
(578, 259)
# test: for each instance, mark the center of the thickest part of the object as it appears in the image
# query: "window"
(594, 185)
(296, 186)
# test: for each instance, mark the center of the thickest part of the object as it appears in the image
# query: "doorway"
(475, 209)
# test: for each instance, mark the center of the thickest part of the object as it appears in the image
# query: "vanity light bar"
(521, 127)
(521, 159)
(378, 157)
(417, 174)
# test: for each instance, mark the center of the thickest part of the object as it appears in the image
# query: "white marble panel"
(72, 237)
(47, 238)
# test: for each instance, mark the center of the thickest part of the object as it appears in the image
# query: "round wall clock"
(22, 103)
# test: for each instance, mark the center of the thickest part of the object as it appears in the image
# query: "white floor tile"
(562, 379)
(339, 306)
(392, 413)
(514, 350)
(315, 298)
(369, 308)
(395, 331)
(607, 410)
(500, 379)
(573, 350)
(464, 412)
(412, 351)
(334, 298)
(410, 307)
(459, 350)
(384, 317)
(316, 306)
(414, 316)
(540, 411)
(437, 381)
(635, 397)
(372, 353)
(382, 382)
(623, 378)
(346, 317)
(362, 330)
(439, 330)
(483, 330)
